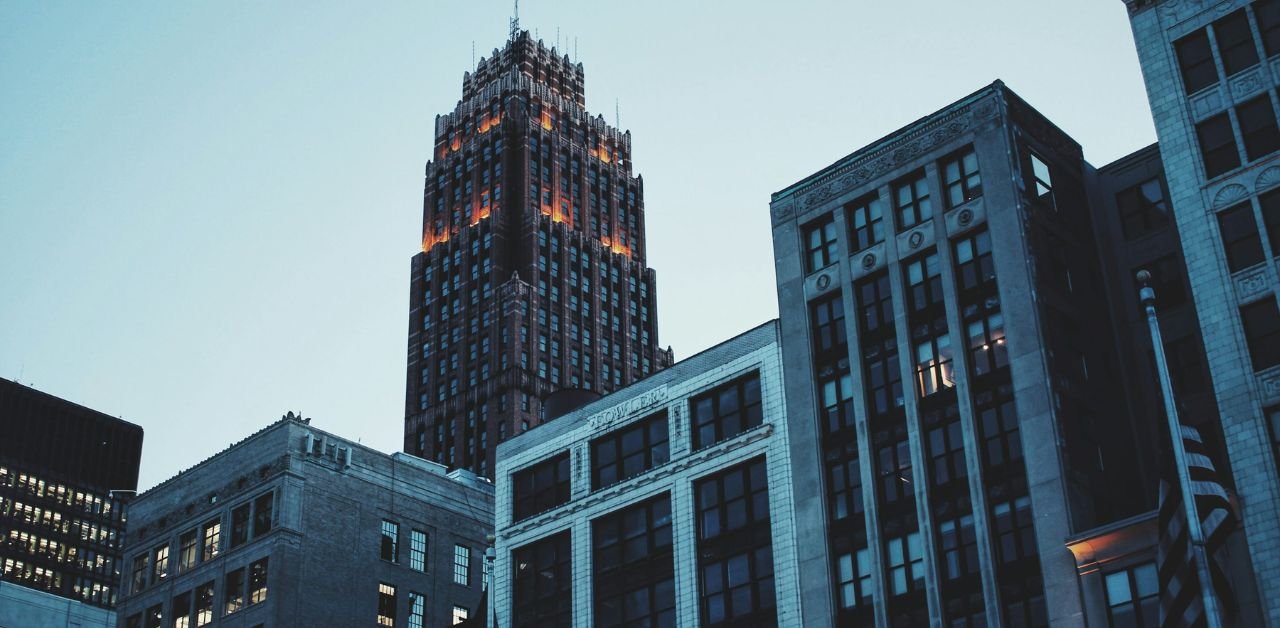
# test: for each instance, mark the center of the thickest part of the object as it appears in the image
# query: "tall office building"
(951, 374)
(1211, 71)
(65, 471)
(532, 275)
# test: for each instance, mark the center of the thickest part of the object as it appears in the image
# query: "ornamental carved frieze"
(1178, 10)
(1228, 195)
(1252, 284)
(1269, 385)
(1268, 178)
(782, 212)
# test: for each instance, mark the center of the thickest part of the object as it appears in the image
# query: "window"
(233, 593)
(462, 565)
(1273, 421)
(154, 617)
(896, 476)
(417, 550)
(239, 526)
(924, 283)
(911, 200)
(853, 575)
(1240, 237)
(258, 581)
(987, 350)
(1235, 42)
(906, 564)
(1015, 538)
(542, 588)
(1262, 332)
(1041, 179)
(386, 604)
(726, 411)
(1142, 208)
(460, 614)
(159, 563)
(974, 267)
(541, 487)
(138, 581)
(960, 177)
(417, 610)
(846, 490)
(735, 552)
(946, 454)
(1195, 61)
(630, 451)
(959, 546)
(262, 514)
(1267, 13)
(633, 571)
(866, 222)
(1133, 597)
(1257, 120)
(180, 610)
(390, 541)
(133, 621)
(1271, 217)
(998, 424)
(829, 341)
(1217, 145)
(821, 245)
(836, 396)
(875, 305)
(204, 604)
(934, 370)
(186, 551)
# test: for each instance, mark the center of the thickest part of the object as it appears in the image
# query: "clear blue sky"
(207, 209)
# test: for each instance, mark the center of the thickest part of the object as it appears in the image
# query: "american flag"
(1181, 604)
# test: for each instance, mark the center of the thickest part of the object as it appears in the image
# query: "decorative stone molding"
(915, 240)
(969, 216)
(1206, 103)
(867, 261)
(1269, 385)
(1178, 10)
(820, 282)
(1229, 194)
(1246, 84)
(606, 419)
(1251, 284)
(1268, 178)
(782, 212)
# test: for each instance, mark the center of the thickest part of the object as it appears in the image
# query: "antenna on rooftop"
(575, 48)
(473, 53)
(617, 113)
(557, 38)
(515, 21)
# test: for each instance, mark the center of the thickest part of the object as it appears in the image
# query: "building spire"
(515, 21)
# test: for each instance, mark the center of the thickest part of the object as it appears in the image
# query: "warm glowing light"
(546, 120)
(456, 145)
(444, 150)
(617, 248)
(429, 240)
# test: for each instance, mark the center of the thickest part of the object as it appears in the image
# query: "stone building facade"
(532, 276)
(1211, 72)
(666, 503)
(297, 527)
(951, 375)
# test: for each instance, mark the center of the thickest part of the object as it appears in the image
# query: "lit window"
(180, 610)
(934, 370)
(204, 604)
(386, 604)
(1133, 597)
(821, 245)
(460, 615)
(911, 200)
(418, 550)
(390, 541)
(1235, 43)
(159, 563)
(1195, 61)
(1240, 237)
(726, 411)
(1041, 179)
(960, 177)
(987, 350)
(417, 610)
(462, 565)
(233, 593)
(1217, 145)
(258, 581)
(154, 617)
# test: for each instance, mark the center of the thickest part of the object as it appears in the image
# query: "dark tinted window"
(1195, 60)
(1235, 42)
(1240, 237)
(541, 487)
(1217, 145)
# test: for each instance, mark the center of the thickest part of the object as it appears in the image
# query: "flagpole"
(1213, 618)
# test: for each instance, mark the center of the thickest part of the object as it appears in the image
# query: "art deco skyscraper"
(532, 275)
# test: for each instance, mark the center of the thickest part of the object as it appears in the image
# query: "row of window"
(961, 182)
(1255, 120)
(389, 608)
(716, 415)
(202, 543)
(633, 565)
(242, 588)
(56, 492)
(1233, 38)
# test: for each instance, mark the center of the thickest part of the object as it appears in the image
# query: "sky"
(208, 209)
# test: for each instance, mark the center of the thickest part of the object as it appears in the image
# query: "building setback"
(1211, 77)
(666, 503)
(297, 527)
(951, 374)
(532, 275)
(64, 470)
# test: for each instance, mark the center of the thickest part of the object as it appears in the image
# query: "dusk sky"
(208, 209)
